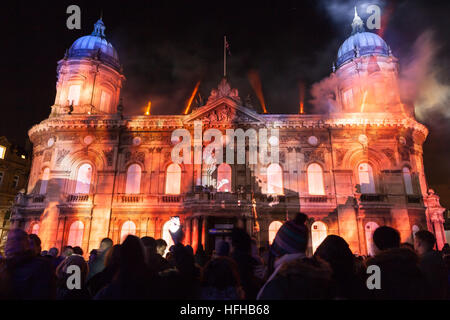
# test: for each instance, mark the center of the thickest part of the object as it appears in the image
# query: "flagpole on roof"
(224, 56)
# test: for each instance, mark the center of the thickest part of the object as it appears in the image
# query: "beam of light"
(188, 106)
(302, 97)
(363, 101)
(255, 82)
(149, 106)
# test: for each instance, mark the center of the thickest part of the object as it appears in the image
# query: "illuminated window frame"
(2, 152)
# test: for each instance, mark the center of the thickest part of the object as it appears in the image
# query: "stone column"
(194, 241)
(204, 223)
(187, 232)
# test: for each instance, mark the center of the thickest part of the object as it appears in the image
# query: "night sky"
(166, 46)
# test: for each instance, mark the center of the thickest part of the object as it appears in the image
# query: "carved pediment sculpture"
(224, 90)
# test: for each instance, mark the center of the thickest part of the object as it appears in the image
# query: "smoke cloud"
(421, 78)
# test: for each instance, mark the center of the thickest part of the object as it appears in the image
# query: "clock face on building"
(362, 138)
(137, 141)
(50, 142)
(312, 140)
(88, 139)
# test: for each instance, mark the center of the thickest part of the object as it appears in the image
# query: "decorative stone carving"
(61, 155)
(109, 157)
(390, 154)
(47, 156)
(224, 90)
(135, 156)
(340, 154)
(313, 155)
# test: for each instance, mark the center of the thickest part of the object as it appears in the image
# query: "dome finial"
(357, 24)
(99, 28)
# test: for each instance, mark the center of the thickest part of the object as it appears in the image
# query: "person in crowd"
(200, 256)
(35, 244)
(290, 243)
(132, 280)
(431, 264)
(44, 253)
(53, 252)
(221, 281)
(447, 264)
(400, 276)
(247, 264)
(385, 238)
(260, 268)
(223, 249)
(78, 251)
(23, 275)
(336, 251)
(54, 259)
(300, 279)
(182, 281)
(161, 246)
(445, 249)
(106, 276)
(92, 256)
(98, 264)
(155, 262)
(407, 245)
(66, 252)
(68, 286)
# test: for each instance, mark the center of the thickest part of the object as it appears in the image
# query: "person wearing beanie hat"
(290, 243)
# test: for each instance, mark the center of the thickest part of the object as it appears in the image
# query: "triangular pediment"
(224, 110)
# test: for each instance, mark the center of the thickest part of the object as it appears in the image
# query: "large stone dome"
(361, 43)
(95, 45)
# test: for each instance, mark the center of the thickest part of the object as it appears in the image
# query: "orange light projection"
(149, 106)
(188, 106)
(302, 97)
(255, 82)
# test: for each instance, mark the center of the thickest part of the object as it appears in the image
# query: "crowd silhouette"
(138, 268)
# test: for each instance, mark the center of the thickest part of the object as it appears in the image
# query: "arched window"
(84, 177)
(166, 235)
(133, 179)
(274, 226)
(415, 228)
(224, 178)
(315, 179)
(274, 179)
(173, 179)
(44, 181)
(369, 230)
(127, 228)
(105, 100)
(35, 229)
(407, 181)
(74, 94)
(75, 234)
(366, 181)
(318, 234)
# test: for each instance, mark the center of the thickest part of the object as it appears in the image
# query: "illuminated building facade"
(98, 173)
(14, 169)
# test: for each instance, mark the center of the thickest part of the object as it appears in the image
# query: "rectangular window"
(16, 181)
(74, 94)
(348, 99)
(105, 101)
(2, 152)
